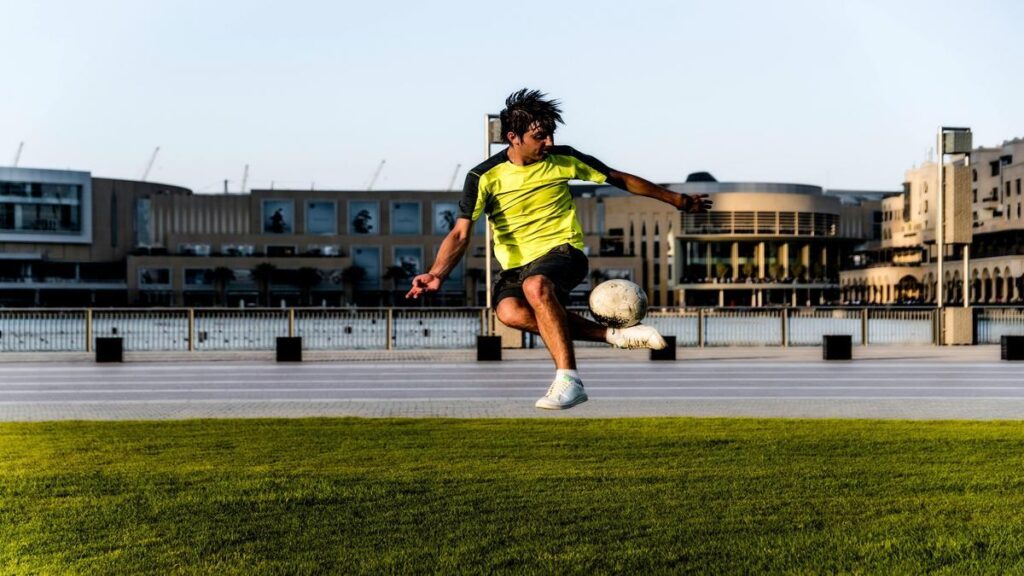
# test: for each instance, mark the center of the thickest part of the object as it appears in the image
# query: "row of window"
(777, 223)
(198, 249)
(364, 218)
(34, 218)
(995, 192)
(41, 192)
(409, 258)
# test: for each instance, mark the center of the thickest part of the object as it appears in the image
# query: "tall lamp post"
(950, 141)
(492, 125)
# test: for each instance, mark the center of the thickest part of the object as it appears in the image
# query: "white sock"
(571, 374)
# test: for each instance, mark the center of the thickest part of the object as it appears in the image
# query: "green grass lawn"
(476, 496)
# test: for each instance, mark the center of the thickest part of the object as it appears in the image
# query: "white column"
(734, 259)
(760, 259)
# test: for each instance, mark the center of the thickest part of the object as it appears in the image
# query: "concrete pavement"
(912, 382)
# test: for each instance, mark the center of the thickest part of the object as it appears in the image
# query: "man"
(538, 240)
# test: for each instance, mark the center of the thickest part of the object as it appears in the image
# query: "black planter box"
(1012, 347)
(837, 347)
(488, 348)
(109, 349)
(666, 353)
(289, 349)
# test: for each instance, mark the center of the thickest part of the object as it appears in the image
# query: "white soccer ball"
(618, 303)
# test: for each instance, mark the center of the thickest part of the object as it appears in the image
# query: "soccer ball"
(618, 303)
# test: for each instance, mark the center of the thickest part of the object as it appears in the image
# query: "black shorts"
(564, 265)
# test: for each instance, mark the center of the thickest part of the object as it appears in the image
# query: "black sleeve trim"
(469, 194)
(584, 158)
(471, 189)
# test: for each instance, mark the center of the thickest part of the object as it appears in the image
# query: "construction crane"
(375, 175)
(17, 155)
(451, 185)
(149, 166)
(245, 178)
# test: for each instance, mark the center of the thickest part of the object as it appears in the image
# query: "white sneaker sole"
(543, 403)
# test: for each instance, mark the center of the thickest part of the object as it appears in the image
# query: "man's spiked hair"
(525, 108)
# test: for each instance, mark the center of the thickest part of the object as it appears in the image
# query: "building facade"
(983, 196)
(69, 239)
(768, 244)
(65, 236)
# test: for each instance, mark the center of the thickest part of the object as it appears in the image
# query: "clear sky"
(840, 94)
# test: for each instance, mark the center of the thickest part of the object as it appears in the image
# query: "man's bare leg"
(517, 313)
(552, 320)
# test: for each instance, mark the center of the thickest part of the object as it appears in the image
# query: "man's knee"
(512, 313)
(539, 289)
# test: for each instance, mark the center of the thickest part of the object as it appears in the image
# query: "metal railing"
(993, 323)
(786, 326)
(203, 329)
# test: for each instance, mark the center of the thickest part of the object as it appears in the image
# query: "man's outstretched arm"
(448, 257)
(691, 203)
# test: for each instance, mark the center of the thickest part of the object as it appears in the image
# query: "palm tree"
(720, 271)
(263, 273)
(797, 271)
(474, 276)
(307, 278)
(221, 277)
(351, 277)
(394, 274)
(817, 271)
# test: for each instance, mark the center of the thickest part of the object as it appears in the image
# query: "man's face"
(534, 144)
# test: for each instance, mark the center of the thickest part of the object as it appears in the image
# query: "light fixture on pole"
(950, 141)
(492, 126)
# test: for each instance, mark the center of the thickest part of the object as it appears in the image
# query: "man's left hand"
(692, 203)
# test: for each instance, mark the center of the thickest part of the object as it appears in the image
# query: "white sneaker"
(638, 336)
(563, 393)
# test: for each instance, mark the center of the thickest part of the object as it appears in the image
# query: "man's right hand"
(423, 284)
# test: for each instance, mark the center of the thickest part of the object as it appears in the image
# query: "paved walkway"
(881, 382)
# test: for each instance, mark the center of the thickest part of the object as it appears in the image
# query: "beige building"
(983, 197)
(768, 244)
(65, 236)
(69, 239)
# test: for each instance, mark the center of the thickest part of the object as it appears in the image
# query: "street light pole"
(492, 129)
(949, 141)
(940, 231)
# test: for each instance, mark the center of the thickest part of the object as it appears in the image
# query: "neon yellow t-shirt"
(530, 207)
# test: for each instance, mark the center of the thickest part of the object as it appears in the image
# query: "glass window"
(243, 279)
(363, 218)
(406, 218)
(150, 278)
(368, 258)
(280, 250)
(143, 222)
(198, 277)
(238, 249)
(321, 217)
(445, 214)
(410, 258)
(194, 249)
(278, 217)
(42, 208)
(323, 250)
